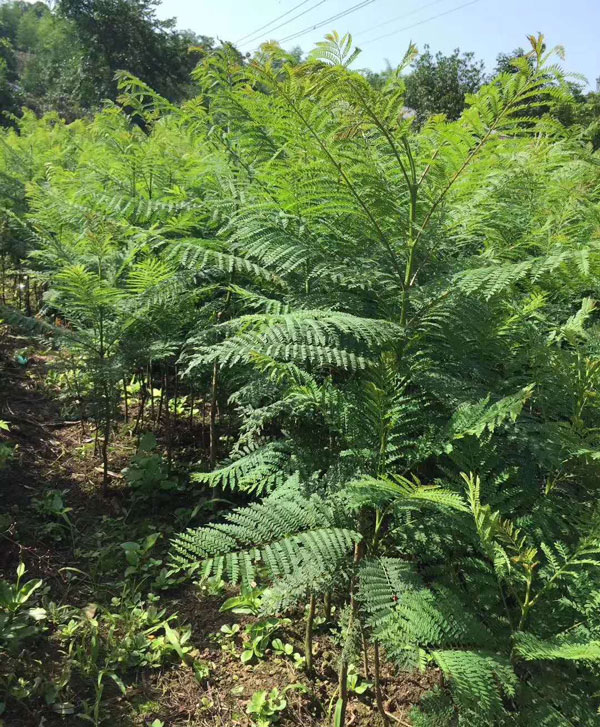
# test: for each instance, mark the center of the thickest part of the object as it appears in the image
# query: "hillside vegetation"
(331, 368)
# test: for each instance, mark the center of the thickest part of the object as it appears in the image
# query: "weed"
(18, 619)
(265, 708)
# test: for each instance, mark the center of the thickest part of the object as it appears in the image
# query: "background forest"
(299, 397)
(63, 57)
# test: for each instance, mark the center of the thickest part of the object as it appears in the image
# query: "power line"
(421, 22)
(404, 15)
(266, 25)
(286, 22)
(352, 9)
(304, 31)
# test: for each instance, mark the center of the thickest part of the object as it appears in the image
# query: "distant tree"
(8, 94)
(584, 112)
(377, 79)
(9, 90)
(438, 84)
(10, 15)
(582, 109)
(297, 54)
(27, 35)
(505, 61)
(63, 56)
(127, 35)
(54, 76)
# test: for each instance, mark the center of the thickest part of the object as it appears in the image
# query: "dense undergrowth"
(388, 338)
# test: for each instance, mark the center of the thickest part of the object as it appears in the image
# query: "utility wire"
(266, 25)
(285, 22)
(401, 17)
(421, 22)
(343, 14)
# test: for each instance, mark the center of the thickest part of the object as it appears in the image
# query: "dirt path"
(28, 412)
(44, 455)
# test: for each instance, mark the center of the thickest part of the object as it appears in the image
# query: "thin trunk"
(168, 419)
(327, 606)
(140, 414)
(27, 297)
(340, 708)
(342, 703)
(173, 421)
(191, 421)
(96, 421)
(175, 393)
(125, 399)
(105, 439)
(308, 634)
(378, 695)
(160, 404)
(3, 278)
(151, 388)
(213, 413)
(76, 380)
(365, 652)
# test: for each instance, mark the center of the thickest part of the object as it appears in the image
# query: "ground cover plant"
(330, 382)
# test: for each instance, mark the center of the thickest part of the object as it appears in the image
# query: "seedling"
(201, 671)
(248, 602)
(148, 472)
(258, 635)
(138, 557)
(282, 649)
(17, 620)
(355, 683)
(51, 505)
(225, 637)
(265, 707)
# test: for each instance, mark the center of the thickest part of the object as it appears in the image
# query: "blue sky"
(486, 27)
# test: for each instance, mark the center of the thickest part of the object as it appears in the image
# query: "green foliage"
(69, 52)
(265, 707)
(51, 506)
(355, 684)
(19, 620)
(148, 473)
(138, 554)
(400, 321)
(439, 84)
(102, 643)
(531, 648)
(479, 679)
(248, 602)
(282, 535)
(256, 471)
(257, 638)
(6, 449)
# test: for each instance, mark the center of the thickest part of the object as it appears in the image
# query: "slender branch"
(308, 655)
(378, 694)
(376, 120)
(339, 168)
(429, 165)
(453, 179)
